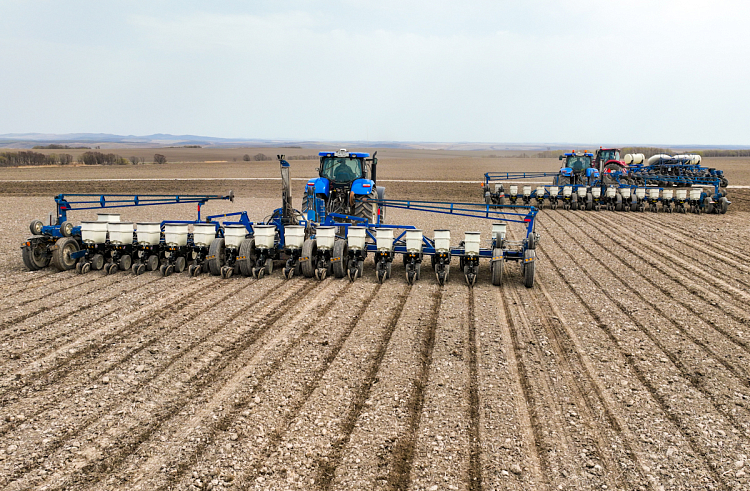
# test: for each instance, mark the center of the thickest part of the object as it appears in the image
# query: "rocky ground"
(627, 366)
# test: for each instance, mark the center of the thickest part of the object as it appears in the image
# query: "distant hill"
(161, 140)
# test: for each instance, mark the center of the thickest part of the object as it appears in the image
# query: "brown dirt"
(627, 366)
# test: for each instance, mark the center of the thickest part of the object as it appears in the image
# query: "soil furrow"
(736, 293)
(335, 333)
(50, 331)
(681, 280)
(161, 400)
(210, 426)
(57, 362)
(691, 371)
(475, 442)
(37, 281)
(715, 462)
(668, 312)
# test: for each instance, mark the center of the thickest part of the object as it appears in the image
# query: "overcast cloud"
(671, 72)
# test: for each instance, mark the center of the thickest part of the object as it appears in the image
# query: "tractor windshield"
(607, 155)
(579, 163)
(338, 169)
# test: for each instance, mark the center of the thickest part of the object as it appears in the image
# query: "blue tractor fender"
(362, 186)
(321, 185)
(566, 171)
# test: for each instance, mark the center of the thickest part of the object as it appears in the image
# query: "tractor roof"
(573, 154)
(344, 153)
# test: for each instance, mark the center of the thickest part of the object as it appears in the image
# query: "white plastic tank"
(667, 194)
(513, 190)
(120, 232)
(148, 233)
(640, 193)
(540, 192)
(108, 217)
(498, 187)
(442, 240)
(175, 234)
(499, 228)
(567, 190)
(681, 194)
(527, 190)
(625, 193)
(356, 238)
(596, 192)
(695, 193)
(634, 158)
(582, 192)
(554, 190)
(655, 158)
(414, 240)
(384, 239)
(653, 193)
(611, 192)
(203, 234)
(294, 236)
(234, 235)
(94, 232)
(265, 236)
(325, 237)
(471, 243)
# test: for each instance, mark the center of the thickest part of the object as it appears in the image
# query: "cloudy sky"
(651, 72)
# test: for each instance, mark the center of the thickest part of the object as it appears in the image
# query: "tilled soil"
(627, 366)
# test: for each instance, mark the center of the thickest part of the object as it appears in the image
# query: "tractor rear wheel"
(366, 207)
(309, 256)
(216, 256)
(64, 247)
(340, 258)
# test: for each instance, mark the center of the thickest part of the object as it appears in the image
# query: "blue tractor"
(346, 185)
(577, 170)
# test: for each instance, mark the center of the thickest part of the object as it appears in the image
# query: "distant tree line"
(16, 159)
(723, 153)
(494, 156)
(56, 146)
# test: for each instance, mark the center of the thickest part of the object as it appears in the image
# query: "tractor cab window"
(579, 163)
(341, 169)
(610, 155)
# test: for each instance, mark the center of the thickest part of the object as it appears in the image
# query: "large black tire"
(563, 180)
(309, 255)
(247, 251)
(35, 257)
(497, 267)
(216, 255)
(366, 207)
(64, 247)
(529, 268)
(340, 258)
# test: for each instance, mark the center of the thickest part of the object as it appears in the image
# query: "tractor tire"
(216, 256)
(563, 181)
(247, 251)
(340, 258)
(497, 267)
(35, 257)
(36, 227)
(61, 259)
(367, 208)
(529, 269)
(309, 255)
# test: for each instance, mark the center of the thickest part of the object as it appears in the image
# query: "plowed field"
(627, 366)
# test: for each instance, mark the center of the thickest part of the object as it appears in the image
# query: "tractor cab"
(342, 167)
(577, 169)
(608, 161)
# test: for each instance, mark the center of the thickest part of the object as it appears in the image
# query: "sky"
(520, 71)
